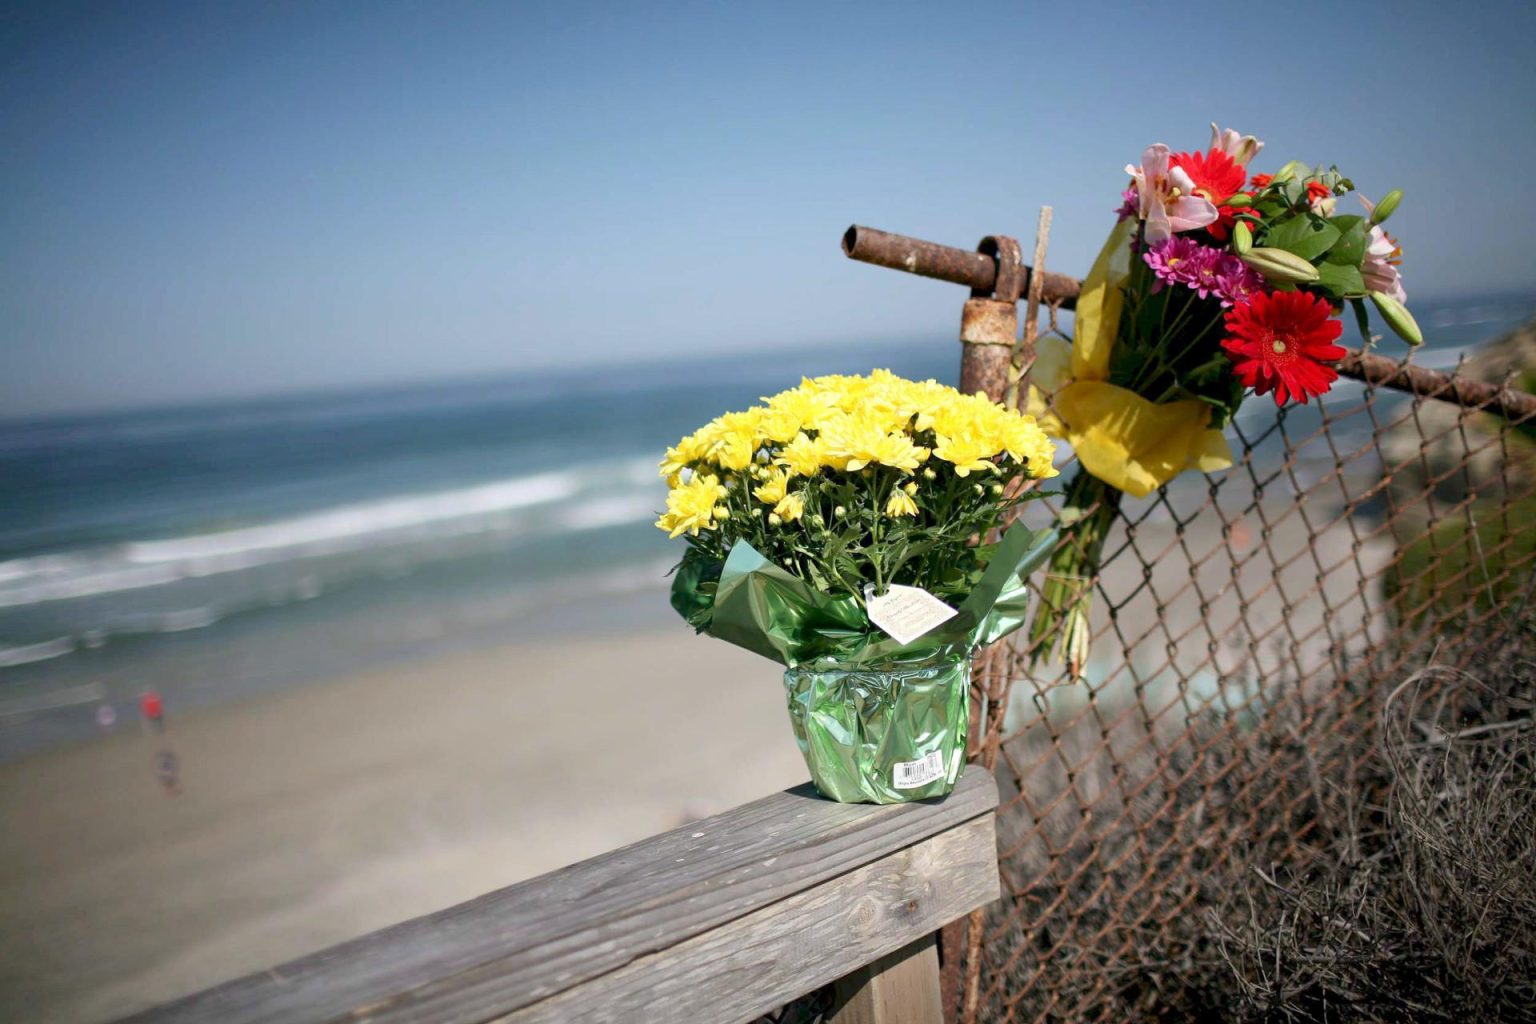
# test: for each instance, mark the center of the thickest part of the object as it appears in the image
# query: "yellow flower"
(862, 440)
(735, 451)
(802, 456)
(967, 453)
(789, 508)
(929, 404)
(772, 490)
(958, 414)
(790, 412)
(691, 507)
(848, 391)
(729, 441)
(1027, 444)
(848, 425)
(689, 450)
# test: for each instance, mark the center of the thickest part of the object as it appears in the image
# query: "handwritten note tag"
(906, 613)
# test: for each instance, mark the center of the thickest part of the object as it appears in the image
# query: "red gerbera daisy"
(1218, 178)
(1262, 180)
(1283, 342)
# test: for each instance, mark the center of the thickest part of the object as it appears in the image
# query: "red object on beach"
(150, 706)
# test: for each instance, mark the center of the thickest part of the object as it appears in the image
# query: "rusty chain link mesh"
(1245, 625)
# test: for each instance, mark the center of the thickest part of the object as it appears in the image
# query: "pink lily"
(1379, 269)
(1166, 196)
(1382, 254)
(1241, 148)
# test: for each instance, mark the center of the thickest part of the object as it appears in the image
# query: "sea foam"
(583, 497)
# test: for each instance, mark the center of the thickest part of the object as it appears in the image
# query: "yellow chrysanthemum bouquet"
(846, 528)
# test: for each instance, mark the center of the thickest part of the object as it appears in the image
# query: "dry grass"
(1275, 857)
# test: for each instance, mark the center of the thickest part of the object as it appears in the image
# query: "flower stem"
(1067, 596)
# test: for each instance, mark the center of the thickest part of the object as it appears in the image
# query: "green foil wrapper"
(883, 735)
(875, 718)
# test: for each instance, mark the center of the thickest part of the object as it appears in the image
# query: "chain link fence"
(1249, 629)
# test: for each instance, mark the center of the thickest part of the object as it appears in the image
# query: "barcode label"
(911, 774)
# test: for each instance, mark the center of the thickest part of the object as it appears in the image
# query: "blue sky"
(227, 199)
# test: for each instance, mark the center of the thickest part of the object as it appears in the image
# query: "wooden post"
(899, 988)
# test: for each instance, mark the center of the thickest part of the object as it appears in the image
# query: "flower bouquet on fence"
(1212, 285)
(848, 530)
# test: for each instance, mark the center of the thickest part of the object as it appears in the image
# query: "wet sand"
(322, 813)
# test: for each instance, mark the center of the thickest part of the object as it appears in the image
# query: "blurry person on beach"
(167, 764)
(153, 710)
(166, 769)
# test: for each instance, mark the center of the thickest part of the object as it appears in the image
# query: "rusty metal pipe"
(1515, 406)
(976, 271)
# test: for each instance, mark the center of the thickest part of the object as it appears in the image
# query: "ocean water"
(216, 552)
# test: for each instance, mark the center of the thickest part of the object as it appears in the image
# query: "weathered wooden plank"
(756, 963)
(899, 988)
(518, 945)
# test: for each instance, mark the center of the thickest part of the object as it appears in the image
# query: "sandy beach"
(318, 814)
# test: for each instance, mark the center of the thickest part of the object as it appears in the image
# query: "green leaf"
(1350, 248)
(693, 588)
(1270, 208)
(1362, 320)
(1340, 280)
(1305, 235)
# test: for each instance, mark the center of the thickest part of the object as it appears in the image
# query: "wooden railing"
(720, 921)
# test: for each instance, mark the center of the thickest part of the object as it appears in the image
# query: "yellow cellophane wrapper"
(1132, 444)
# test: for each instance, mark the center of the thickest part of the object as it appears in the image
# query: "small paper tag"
(906, 613)
(911, 774)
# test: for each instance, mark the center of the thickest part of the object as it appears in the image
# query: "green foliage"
(1362, 320)
(1349, 250)
(1305, 234)
(1339, 280)
(1457, 566)
(1335, 245)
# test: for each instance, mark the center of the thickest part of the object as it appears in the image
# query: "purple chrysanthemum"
(1236, 281)
(1209, 271)
(1179, 260)
(1203, 271)
(1130, 205)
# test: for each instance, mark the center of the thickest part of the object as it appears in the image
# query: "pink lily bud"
(1241, 148)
